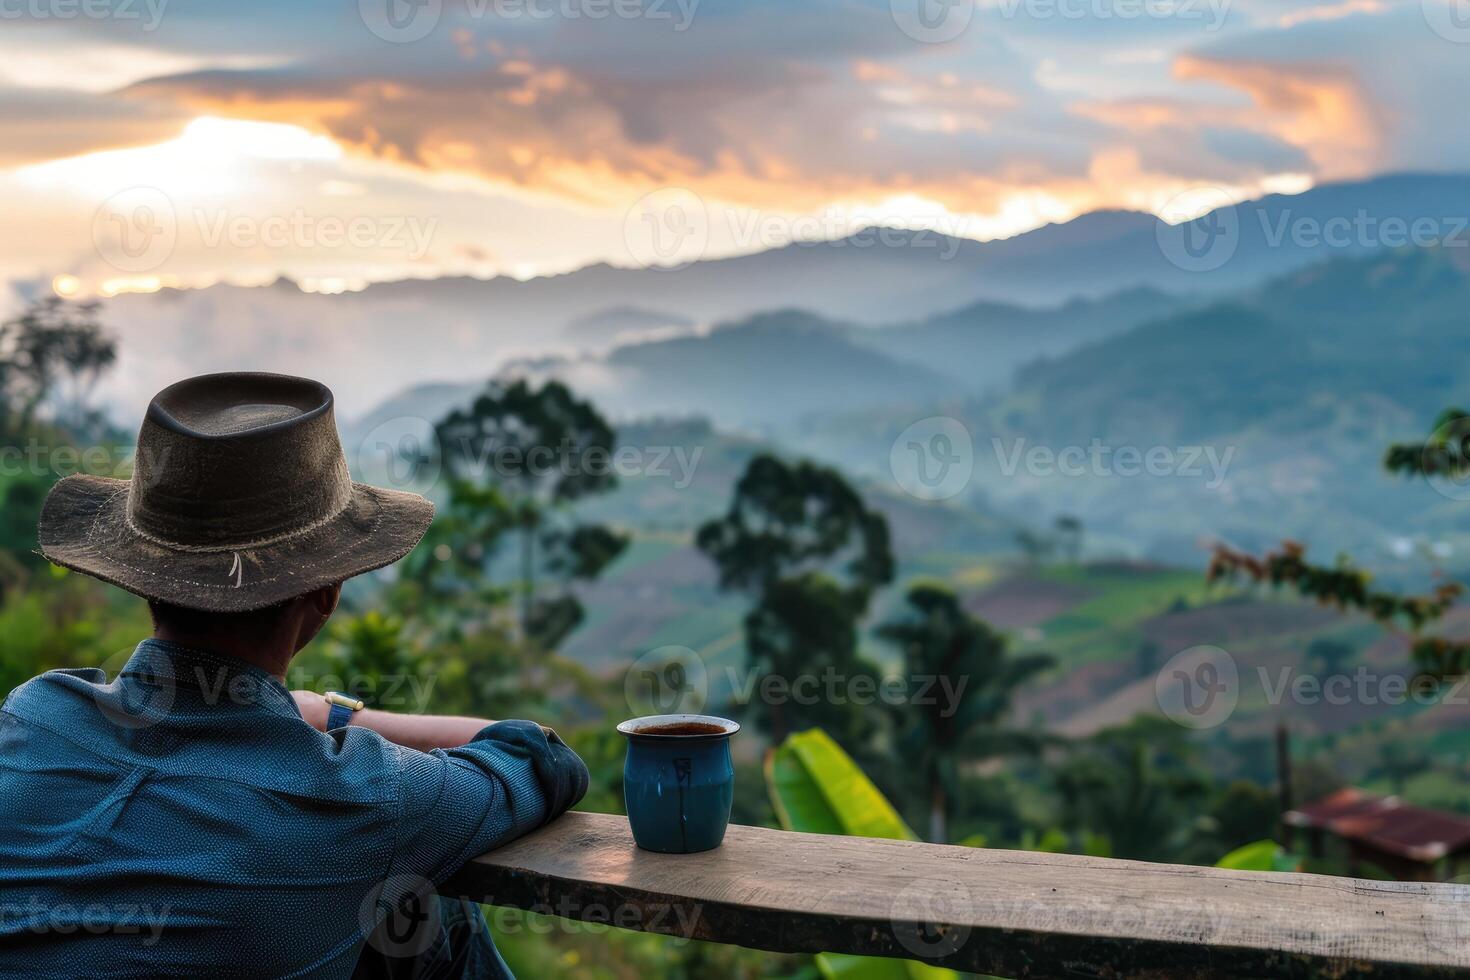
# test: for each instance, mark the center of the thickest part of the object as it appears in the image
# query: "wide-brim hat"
(240, 499)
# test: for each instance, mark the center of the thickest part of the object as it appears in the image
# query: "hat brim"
(84, 527)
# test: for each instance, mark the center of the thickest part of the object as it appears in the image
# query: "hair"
(258, 623)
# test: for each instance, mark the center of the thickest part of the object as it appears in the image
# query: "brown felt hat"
(240, 499)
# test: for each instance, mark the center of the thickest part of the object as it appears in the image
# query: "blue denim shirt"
(184, 820)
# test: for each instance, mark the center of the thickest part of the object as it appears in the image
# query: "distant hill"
(1296, 388)
(983, 344)
(622, 325)
(1382, 334)
(373, 342)
(767, 370)
(763, 372)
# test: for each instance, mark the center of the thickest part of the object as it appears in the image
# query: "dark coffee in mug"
(683, 728)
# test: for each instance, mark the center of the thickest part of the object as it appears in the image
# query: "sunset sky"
(147, 143)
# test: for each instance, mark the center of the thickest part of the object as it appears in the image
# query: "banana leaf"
(1261, 855)
(816, 788)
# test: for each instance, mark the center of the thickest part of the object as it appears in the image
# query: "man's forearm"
(422, 732)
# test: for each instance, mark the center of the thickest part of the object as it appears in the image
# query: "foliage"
(1141, 788)
(53, 344)
(788, 518)
(816, 788)
(1446, 453)
(802, 541)
(806, 627)
(1346, 587)
(451, 558)
(20, 510)
(514, 457)
(1261, 855)
(961, 718)
(68, 621)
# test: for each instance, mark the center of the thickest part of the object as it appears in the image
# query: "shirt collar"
(220, 678)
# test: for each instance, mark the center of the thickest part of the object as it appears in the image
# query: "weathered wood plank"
(1012, 913)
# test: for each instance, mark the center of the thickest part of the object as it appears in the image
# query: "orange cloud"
(1322, 109)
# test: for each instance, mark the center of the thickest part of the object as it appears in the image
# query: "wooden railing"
(1010, 913)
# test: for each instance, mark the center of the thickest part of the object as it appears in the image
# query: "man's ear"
(324, 600)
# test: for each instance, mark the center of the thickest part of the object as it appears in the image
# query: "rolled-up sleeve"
(458, 803)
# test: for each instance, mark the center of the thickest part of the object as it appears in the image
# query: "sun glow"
(211, 156)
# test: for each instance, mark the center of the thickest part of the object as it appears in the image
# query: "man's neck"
(273, 657)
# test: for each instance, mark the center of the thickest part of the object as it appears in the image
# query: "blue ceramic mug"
(678, 781)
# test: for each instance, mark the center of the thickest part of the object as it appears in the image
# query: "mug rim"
(630, 727)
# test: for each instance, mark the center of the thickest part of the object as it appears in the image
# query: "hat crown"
(236, 461)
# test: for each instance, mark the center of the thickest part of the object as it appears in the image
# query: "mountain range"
(370, 344)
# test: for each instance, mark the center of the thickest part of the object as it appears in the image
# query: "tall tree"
(806, 627)
(541, 450)
(970, 680)
(786, 518)
(53, 344)
(801, 541)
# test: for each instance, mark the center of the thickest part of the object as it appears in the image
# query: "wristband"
(341, 711)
